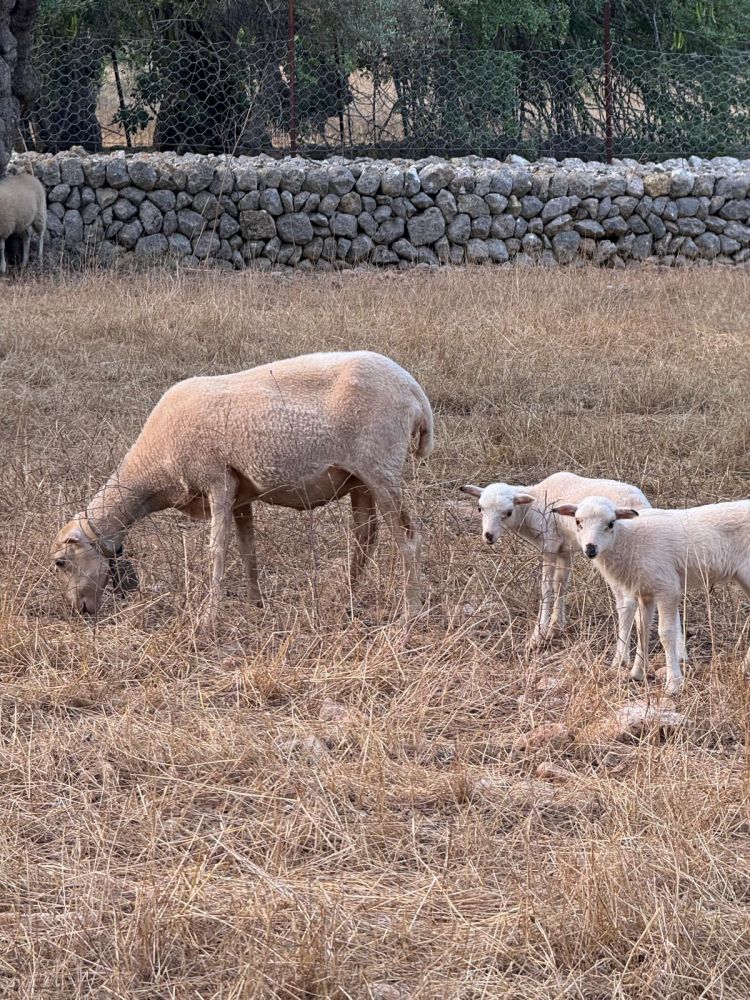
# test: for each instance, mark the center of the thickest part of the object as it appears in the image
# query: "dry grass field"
(301, 804)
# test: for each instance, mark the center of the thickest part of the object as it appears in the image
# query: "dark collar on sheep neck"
(109, 550)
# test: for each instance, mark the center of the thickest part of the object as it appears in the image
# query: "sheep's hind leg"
(221, 496)
(364, 531)
(561, 581)
(407, 535)
(3, 266)
(26, 238)
(245, 525)
(670, 642)
(644, 620)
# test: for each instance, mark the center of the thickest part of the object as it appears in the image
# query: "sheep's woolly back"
(23, 204)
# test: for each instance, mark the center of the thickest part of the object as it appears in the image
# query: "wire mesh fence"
(191, 95)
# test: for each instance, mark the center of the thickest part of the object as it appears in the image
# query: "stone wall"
(260, 212)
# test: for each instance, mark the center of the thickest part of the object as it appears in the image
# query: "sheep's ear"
(124, 575)
(625, 513)
(521, 498)
(473, 491)
(566, 509)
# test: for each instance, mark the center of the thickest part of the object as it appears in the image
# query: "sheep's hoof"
(637, 674)
(673, 688)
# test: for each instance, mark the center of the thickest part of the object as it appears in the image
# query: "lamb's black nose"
(489, 537)
(591, 551)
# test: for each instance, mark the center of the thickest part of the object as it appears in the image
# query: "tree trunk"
(16, 79)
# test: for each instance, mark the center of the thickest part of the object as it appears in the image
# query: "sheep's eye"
(578, 524)
(611, 525)
(508, 513)
(479, 508)
(60, 563)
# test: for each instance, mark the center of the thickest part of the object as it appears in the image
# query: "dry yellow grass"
(190, 816)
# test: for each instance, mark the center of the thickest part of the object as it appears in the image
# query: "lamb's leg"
(668, 612)
(407, 535)
(626, 605)
(364, 530)
(563, 568)
(3, 266)
(26, 244)
(245, 525)
(221, 497)
(644, 620)
(541, 629)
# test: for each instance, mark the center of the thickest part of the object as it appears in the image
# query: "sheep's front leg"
(3, 266)
(408, 537)
(245, 525)
(40, 247)
(541, 629)
(668, 635)
(563, 568)
(626, 605)
(644, 621)
(221, 500)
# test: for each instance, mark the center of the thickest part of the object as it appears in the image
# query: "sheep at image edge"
(296, 433)
(23, 207)
(657, 558)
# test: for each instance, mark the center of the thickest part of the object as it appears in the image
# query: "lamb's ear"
(566, 509)
(124, 575)
(521, 498)
(472, 491)
(625, 513)
(74, 537)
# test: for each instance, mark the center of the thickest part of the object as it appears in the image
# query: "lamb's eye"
(60, 563)
(578, 524)
(508, 513)
(611, 525)
(479, 508)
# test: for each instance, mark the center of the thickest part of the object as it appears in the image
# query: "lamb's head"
(596, 522)
(501, 507)
(84, 565)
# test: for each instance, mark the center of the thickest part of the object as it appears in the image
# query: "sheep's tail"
(423, 427)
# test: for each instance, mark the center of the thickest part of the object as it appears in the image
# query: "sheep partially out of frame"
(527, 512)
(23, 208)
(296, 433)
(655, 559)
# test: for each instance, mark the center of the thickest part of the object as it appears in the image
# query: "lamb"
(296, 433)
(657, 558)
(527, 512)
(23, 207)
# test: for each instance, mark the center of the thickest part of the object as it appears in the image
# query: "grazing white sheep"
(657, 558)
(23, 207)
(527, 512)
(296, 433)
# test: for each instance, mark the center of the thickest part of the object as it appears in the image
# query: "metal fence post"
(292, 71)
(609, 141)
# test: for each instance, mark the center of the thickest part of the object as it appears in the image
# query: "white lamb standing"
(527, 511)
(23, 207)
(656, 559)
(296, 433)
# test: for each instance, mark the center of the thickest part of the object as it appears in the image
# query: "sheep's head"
(596, 518)
(84, 566)
(498, 504)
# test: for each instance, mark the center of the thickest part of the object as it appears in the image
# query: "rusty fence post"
(292, 73)
(609, 141)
